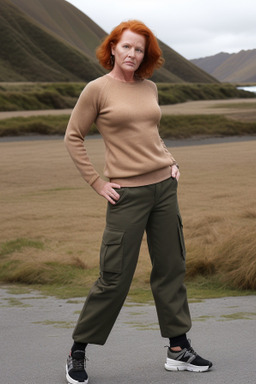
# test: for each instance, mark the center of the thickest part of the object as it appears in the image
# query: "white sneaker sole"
(72, 381)
(174, 365)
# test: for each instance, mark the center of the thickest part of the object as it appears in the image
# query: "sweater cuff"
(93, 179)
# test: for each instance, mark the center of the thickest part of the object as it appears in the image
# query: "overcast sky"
(193, 28)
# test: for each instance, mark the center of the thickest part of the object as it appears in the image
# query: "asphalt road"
(35, 338)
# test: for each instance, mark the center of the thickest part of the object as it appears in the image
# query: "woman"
(141, 194)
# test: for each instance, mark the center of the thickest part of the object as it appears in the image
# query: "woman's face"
(129, 51)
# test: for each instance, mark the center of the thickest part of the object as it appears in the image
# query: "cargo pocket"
(181, 237)
(111, 255)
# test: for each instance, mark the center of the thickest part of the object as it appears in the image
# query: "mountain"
(51, 40)
(29, 53)
(233, 68)
(182, 68)
(65, 22)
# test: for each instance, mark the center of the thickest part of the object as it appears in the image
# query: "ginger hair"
(153, 55)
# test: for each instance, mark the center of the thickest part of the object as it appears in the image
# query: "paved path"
(211, 107)
(11, 114)
(36, 331)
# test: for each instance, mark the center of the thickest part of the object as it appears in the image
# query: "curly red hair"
(153, 55)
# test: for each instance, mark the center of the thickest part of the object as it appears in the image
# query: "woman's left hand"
(175, 172)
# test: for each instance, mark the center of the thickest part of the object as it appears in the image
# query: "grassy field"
(222, 110)
(39, 96)
(179, 121)
(51, 221)
(171, 126)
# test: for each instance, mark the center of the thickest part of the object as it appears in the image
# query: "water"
(251, 88)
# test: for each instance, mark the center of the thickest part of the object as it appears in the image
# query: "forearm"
(80, 122)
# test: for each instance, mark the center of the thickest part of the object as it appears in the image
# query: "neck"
(125, 77)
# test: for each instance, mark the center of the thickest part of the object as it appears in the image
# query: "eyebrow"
(137, 45)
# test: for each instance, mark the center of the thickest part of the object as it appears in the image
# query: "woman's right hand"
(106, 189)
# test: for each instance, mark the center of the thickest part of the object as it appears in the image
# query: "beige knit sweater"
(127, 116)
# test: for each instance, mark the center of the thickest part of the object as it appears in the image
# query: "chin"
(130, 68)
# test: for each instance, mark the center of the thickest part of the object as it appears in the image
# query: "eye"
(139, 50)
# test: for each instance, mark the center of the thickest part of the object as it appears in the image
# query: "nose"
(131, 52)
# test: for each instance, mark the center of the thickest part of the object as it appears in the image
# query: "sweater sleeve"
(83, 115)
(162, 142)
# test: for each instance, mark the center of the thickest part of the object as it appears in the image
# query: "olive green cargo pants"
(153, 208)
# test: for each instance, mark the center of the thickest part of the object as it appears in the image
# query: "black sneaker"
(75, 368)
(186, 360)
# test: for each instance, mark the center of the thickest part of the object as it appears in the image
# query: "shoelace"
(191, 350)
(78, 365)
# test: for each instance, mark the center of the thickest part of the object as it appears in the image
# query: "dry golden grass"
(43, 197)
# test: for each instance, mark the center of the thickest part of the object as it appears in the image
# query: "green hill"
(64, 21)
(182, 68)
(51, 40)
(30, 53)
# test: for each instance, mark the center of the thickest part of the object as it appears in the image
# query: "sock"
(78, 347)
(179, 341)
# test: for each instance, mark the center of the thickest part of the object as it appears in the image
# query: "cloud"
(194, 28)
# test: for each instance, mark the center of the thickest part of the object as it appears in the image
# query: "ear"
(112, 47)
